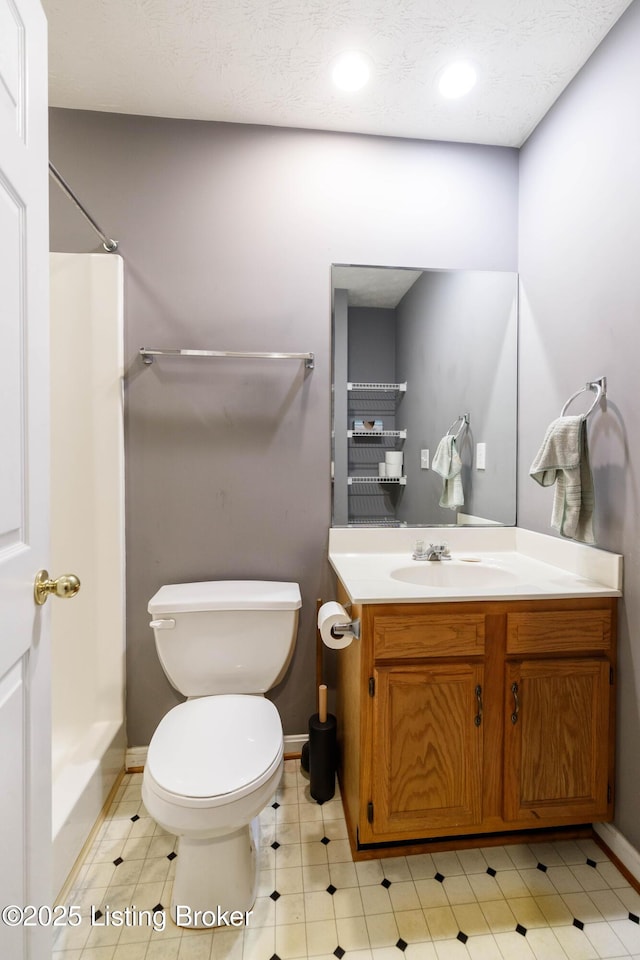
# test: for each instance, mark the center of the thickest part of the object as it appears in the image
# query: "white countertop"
(488, 563)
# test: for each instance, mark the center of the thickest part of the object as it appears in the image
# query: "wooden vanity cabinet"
(556, 745)
(476, 717)
(559, 715)
(418, 774)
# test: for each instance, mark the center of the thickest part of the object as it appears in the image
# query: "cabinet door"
(427, 750)
(556, 740)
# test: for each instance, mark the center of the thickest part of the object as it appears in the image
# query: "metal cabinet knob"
(64, 587)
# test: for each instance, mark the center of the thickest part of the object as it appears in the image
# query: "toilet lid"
(212, 746)
(225, 595)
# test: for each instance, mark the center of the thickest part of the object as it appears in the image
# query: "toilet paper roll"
(330, 615)
(394, 456)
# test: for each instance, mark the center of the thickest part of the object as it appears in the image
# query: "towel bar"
(148, 354)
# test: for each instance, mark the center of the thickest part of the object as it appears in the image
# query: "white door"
(25, 790)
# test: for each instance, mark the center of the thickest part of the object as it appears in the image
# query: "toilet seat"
(214, 750)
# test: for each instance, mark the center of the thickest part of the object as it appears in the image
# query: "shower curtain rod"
(109, 245)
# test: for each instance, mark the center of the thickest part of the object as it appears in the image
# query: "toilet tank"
(225, 636)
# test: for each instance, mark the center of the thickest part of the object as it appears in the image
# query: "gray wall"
(580, 311)
(228, 233)
(457, 350)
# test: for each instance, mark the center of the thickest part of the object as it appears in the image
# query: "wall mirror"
(419, 354)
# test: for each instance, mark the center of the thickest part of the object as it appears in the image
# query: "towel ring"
(600, 387)
(465, 423)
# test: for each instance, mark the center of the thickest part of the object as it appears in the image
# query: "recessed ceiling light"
(351, 71)
(456, 79)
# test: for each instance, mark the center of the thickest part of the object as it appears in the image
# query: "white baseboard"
(293, 742)
(620, 846)
(136, 757)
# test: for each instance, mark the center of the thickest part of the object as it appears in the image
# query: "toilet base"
(216, 879)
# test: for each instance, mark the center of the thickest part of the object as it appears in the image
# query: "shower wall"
(87, 538)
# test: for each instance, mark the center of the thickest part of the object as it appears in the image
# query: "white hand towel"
(446, 461)
(563, 459)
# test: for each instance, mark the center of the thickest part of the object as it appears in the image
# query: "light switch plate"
(481, 456)
(424, 459)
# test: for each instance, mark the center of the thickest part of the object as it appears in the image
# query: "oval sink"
(450, 574)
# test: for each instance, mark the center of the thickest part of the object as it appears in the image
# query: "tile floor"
(537, 901)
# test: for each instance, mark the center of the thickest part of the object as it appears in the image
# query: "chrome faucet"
(435, 551)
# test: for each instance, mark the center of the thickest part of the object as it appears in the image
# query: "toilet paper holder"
(349, 629)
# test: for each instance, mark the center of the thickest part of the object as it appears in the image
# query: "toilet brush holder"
(304, 757)
(322, 751)
(322, 757)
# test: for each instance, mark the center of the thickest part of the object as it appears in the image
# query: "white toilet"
(215, 761)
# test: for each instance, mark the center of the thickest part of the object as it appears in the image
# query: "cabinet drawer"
(562, 631)
(422, 635)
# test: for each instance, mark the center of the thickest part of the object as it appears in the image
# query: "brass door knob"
(64, 587)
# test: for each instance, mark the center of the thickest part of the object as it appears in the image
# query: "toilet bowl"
(213, 764)
(215, 761)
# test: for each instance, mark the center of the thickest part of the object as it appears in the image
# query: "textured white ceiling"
(268, 61)
(373, 286)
